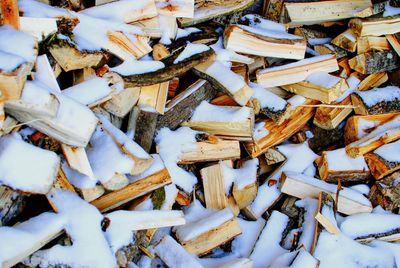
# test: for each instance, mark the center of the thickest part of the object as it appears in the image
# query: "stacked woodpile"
(197, 133)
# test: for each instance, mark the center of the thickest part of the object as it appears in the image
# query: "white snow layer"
(390, 151)
(207, 112)
(191, 50)
(374, 96)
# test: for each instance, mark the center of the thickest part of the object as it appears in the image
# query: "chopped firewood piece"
(272, 9)
(35, 232)
(359, 126)
(310, 12)
(376, 101)
(174, 255)
(270, 134)
(331, 117)
(372, 62)
(319, 86)
(122, 103)
(296, 72)
(179, 9)
(158, 26)
(134, 45)
(302, 186)
(12, 204)
(223, 78)
(273, 156)
(38, 27)
(325, 213)
(162, 72)
(154, 97)
(373, 80)
(77, 159)
(160, 52)
(226, 121)
(375, 26)
(385, 133)
(384, 160)
(214, 187)
(394, 42)
(202, 236)
(330, 49)
(127, 11)
(223, 100)
(264, 42)
(133, 190)
(205, 10)
(385, 227)
(346, 40)
(143, 124)
(337, 165)
(206, 152)
(386, 192)
(371, 43)
(376, 8)
(38, 167)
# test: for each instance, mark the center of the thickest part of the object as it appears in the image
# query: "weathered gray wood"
(11, 205)
(143, 123)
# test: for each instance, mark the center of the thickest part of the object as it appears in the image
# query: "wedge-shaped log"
(377, 101)
(154, 97)
(360, 125)
(331, 49)
(224, 79)
(77, 159)
(273, 134)
(386, 192)
(122, 45)
(310, 12)
(373, 80)
(132, 191)
(370, 43)
(384, 160)
(223, 121)
(337, 165)
(383, 134)
(214, 187)
(372, 62)
(202, 236)
(11, 84)
(174, 255)
(331, 117)
(296, 72)
(394, 41)
(319, 86)
(346, 40)
(375, 26)
(122, 103)
(206, 152)
(261, 42)
(302, 186)
(205, 11)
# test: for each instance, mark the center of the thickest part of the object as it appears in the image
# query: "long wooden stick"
(9, 9)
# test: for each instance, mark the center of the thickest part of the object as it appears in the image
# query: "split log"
(206, 152)
(386, 193)
(205, 11)
(331, 117)
(181, 108)
(373, 80)
(237, 130)
(376, 101)
(156, 26)
(327, 90)
(182, 9)
(168, 250)
(169, 72)
(244, 40)
(133, 190)
(394, 41)
(384, 160)
(143, 124)
(375, 26)
(326, 206)
(121, 44)
(337, 165)
(376, 8)
(77, 159)
(214, 187)
(383, 134)
(273, 156)
(272, 9)
(372, 62)
(310, 12)
(301, 186)
(198, 238)
(296, 72)
(154, 97)
(346, 40)
(371, 43)
(225, 80)
(360, 125)
(122, 103)
(11, 205)
(275, 134)
(11, 84)
(10, 13)
(331, 49)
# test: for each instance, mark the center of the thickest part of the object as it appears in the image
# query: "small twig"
(22, 124)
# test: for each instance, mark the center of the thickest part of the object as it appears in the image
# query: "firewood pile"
(199, 133)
